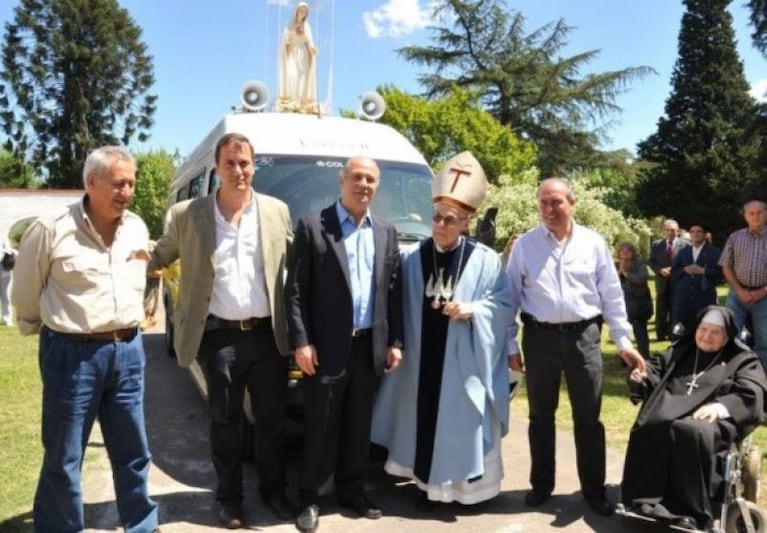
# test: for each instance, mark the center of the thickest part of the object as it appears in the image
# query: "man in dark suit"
(695, 273)
(662, 254)
(344, 307)
(233, 248)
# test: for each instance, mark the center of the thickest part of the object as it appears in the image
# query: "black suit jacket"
(659, 259)
(318, 294)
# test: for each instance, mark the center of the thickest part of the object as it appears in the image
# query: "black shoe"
(363, 507)
(600, 505)
(536, 498)
(423, 504)
(309, 519)
(685, 522)
(279, 505)
(230, 516)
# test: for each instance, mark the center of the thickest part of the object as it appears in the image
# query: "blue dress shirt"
(360, 251)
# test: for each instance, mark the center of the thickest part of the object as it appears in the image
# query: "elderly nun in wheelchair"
(705, 393)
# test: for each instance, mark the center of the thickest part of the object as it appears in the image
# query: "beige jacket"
(191, 237)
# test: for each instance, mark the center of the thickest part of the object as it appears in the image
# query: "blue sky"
(204, 50)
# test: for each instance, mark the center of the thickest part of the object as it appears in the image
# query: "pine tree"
(759, 22)
(701, 158)
(524, 81)
(75, 76)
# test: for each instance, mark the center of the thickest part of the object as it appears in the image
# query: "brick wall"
(16, 204)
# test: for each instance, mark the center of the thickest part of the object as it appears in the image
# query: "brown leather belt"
(246, 324)
(115, 335)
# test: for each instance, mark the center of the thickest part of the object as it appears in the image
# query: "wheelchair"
(737, 512)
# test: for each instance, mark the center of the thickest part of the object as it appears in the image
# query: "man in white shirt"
(564, 283)
(232, 246)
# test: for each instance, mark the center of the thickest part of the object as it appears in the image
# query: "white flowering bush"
(518, 212)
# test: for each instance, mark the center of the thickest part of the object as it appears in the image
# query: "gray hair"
(671, 222)
(101, 159)
(563, 181)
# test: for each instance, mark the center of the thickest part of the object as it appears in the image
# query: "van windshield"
(309, 184)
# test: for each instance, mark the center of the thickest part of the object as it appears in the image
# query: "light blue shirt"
(360, 251)
(567, 283)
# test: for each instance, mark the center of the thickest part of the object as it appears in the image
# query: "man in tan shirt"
(79, 283)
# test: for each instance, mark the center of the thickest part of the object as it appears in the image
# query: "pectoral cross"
(693, 383)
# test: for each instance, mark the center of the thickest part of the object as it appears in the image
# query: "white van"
(298, 160)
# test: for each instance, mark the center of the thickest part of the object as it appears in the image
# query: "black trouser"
(337, 413)
(576, 353)
(664, 302)
(234, 361)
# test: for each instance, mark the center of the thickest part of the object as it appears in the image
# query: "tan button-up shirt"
(68, 280)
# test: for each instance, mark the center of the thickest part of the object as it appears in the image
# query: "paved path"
(182, 478)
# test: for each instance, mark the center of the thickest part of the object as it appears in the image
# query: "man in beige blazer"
(231, 316)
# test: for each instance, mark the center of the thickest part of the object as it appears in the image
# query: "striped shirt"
(746, 254)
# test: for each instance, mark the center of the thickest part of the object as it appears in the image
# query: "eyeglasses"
(447, 220)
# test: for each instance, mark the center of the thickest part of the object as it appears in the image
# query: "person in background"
(507, 250)
(632, 272)
(80, 279)
(151, 295)
(744, 265)
(563, 281)
(696, 273)
(232, 246)
(706, 392)
(443, 414)
(344, 302)
(7, 262)
(662, 254)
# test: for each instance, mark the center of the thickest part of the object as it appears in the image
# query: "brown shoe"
(230, 517)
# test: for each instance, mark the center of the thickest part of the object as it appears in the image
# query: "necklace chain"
(442, 293)
(693, 383)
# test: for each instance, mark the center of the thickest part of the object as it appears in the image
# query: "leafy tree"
(15, 173)
(524, 80)
(75, 76)
(759, 22)
(701, 158)
(154, 175)
(518, 212)
(619, 177)
(445, 126)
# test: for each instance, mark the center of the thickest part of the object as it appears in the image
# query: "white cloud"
(397, 18)
(759, 91)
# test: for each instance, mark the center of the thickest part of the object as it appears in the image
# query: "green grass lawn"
(20, 447)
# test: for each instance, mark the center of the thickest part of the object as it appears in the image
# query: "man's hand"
(635, 360)
(744, 295)
(515, 362)
(306, 359)
(694, 269)
(457, 310)
(393, 358)
(665, 272)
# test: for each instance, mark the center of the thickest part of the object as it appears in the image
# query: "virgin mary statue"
(297, 83)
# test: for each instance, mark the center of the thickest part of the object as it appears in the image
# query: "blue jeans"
(758, 313)
(82, 380)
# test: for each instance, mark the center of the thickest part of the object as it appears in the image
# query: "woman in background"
(633, 275)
